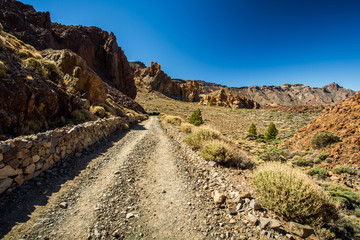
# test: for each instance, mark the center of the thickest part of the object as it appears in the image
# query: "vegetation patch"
(186, 128)
(323, 156)
(196, 138)
(175, 120)
(318, 172)
(292, 194)
(345, 195)
(196, 118)
(273, 154)
(344, 169)
(324, 139)
(98, 111)
(303, 162)
(217, 151)
(272, 132)
(35, 64)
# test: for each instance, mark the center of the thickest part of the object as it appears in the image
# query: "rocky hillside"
(152, 78)
(286, 95)
(227, 99)
(343, 120)
(98, 48)
(42, 90)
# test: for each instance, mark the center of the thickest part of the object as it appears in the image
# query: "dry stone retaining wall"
(25, 157)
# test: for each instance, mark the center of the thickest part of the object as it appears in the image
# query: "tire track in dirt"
(138, 173)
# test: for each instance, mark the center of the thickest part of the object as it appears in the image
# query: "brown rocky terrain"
(42, 90)
(153, 78)
(227, 99)
(286, 95)
(98, 48)
(342, 119)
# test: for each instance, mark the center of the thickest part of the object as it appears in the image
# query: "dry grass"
(175, 120)
(197, 138)
(233, 123)
(3, 69)
(292, 194)
(187, 127)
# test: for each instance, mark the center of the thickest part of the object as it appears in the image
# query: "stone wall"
(25, 157)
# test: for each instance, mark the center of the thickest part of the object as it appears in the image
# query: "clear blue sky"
(236, 43)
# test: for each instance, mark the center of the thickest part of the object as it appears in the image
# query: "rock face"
(227, 99)
(38, 92)
(286, 95)
(78, 77)
(98, 48)
(154, 79)
(342, 119)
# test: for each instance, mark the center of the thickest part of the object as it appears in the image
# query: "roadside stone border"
(25, 157)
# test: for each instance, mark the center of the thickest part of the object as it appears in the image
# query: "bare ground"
(134, 189)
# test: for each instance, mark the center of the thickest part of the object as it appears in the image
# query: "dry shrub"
(35, 64)
(98, 111)
(186, 128)
(217, 150)
(292, 194)
(81, 115)
(197, 138)
(175, 120)
(226, 154)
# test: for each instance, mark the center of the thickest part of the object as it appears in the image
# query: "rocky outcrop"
(342, 119)
(39, 92)
(98, 48)
(286, 95)
(227, 99)
(78, 77)
(153, 78)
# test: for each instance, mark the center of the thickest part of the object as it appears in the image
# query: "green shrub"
(357, 212)
(273, 154)
(252, 132)
(318, 172)
(303, 162)
(348, 197)
(324, 139)
(196, 138)
(3, 69)
(175, 120)
(323, 156)
(292, 194)
(186, 127)
(344, 169)
(272, 132)
(196, 118)
(98, 111)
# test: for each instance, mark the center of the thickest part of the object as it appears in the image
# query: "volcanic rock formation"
(98, 48)
(227, 99)
(342, 119)
(286, 95)
(44, 89)
(154, 79)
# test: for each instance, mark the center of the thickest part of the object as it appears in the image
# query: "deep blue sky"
(236, 43)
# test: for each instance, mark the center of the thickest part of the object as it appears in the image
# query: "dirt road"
(134, 189)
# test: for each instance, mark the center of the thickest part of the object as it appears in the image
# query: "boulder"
(303, 231)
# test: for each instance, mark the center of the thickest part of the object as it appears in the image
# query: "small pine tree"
(252, 132)
(272, 132)
(196, 118)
